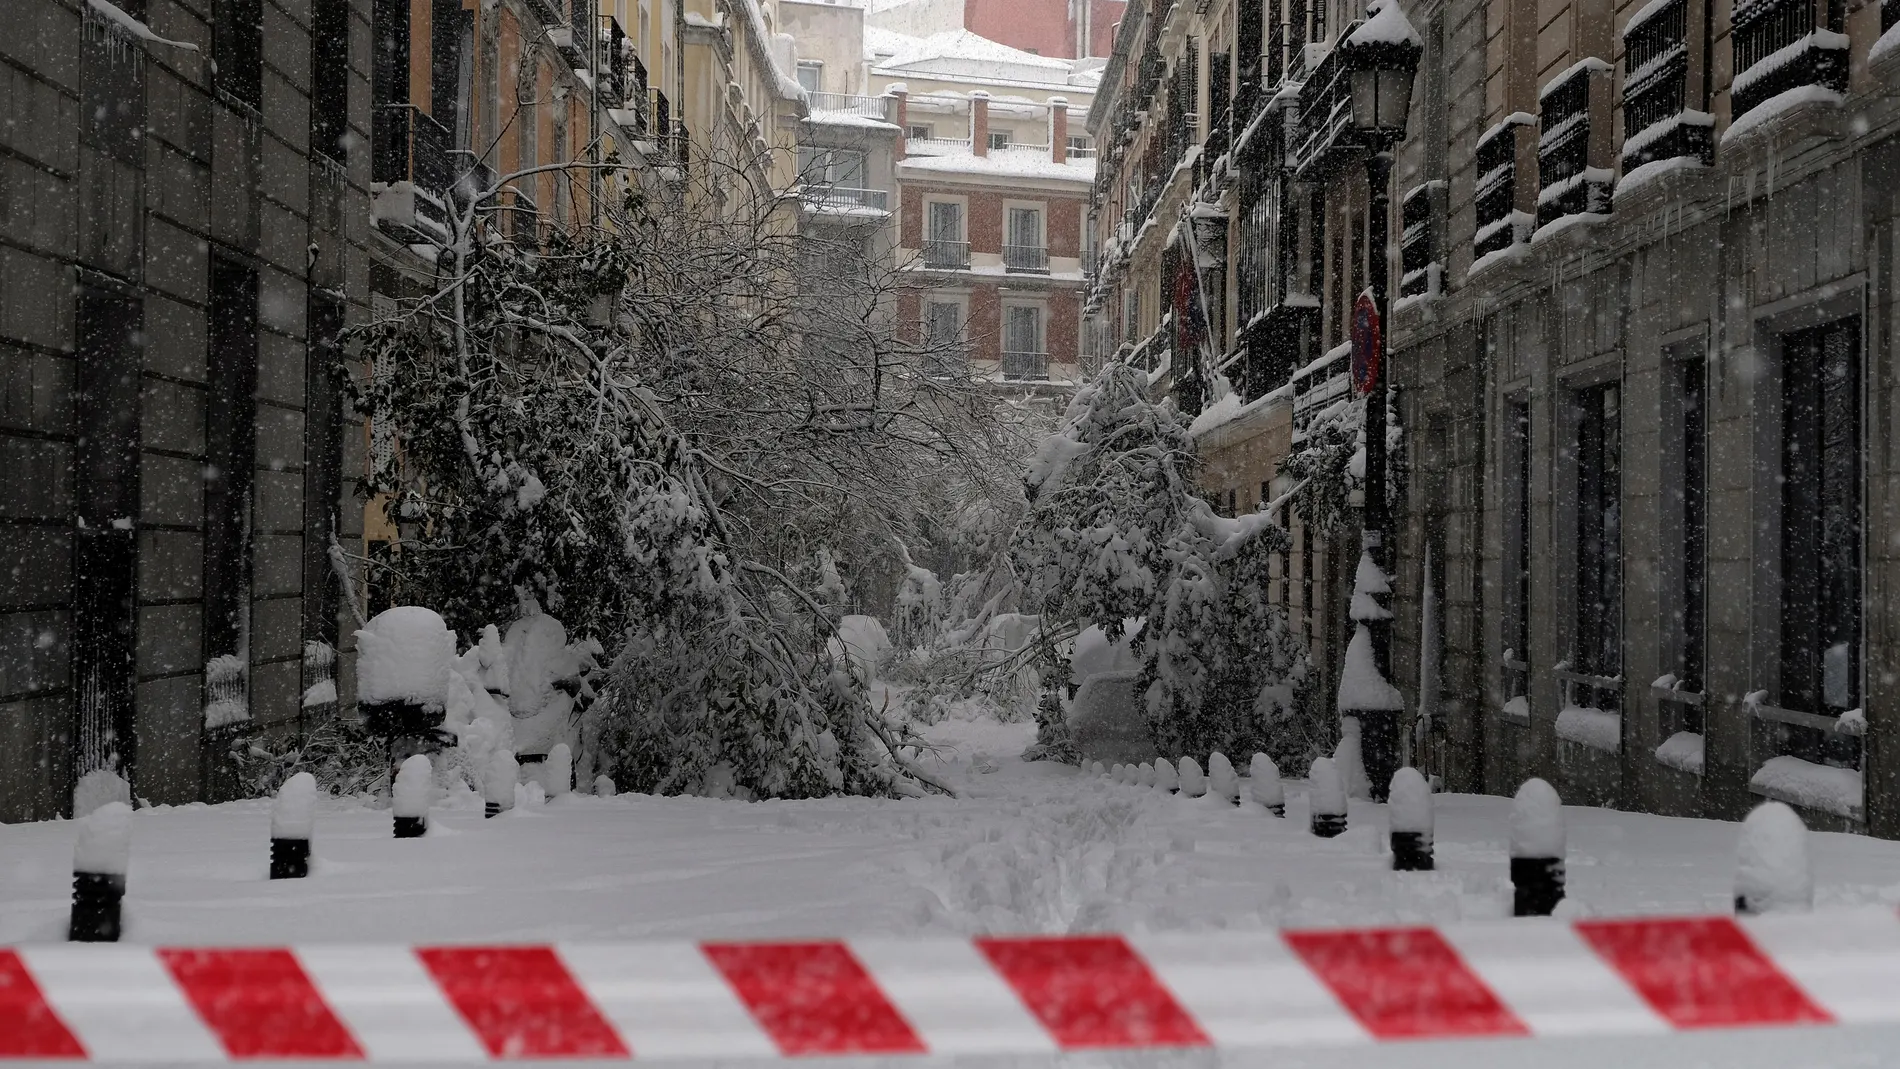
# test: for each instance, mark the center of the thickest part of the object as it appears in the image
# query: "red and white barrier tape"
(1012, 995)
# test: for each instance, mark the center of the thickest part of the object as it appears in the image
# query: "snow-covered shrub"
(1330, 464)
(345, 759)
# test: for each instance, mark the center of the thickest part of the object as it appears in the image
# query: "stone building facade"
(1649, 403)
(183, 236)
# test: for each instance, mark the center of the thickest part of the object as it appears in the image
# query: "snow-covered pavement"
(1029, 848)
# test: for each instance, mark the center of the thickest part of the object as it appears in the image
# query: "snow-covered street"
(1028, 848)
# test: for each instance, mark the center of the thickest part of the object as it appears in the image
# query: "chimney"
(1059, 129)
(900, 114)
(980, 123)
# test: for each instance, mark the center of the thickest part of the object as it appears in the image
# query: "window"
(944, 245)
(1599, 532)
(810, 73)
(1820, 519)
(918, 131)
(1686, 504)
(329, 76)
(1080, 145)
(1516, 463)
(322, 467)
(237, 45)
(451, 52)
(832, 167)
(1023, 354)
(1022, 243)
(943, 324)
(230, 453)
(999, 139)
(104, 646)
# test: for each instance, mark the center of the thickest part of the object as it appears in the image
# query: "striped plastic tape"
(1001, 995)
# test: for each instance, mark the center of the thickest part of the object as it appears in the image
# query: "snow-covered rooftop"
(1004, 164)
(965, 56)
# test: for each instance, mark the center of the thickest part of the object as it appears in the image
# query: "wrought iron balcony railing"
(882, 108)
(1567, 184)
(1500, 224)
(1024, 365)
(411, 172)
(823, 196)
(948, 255)
(1657, 122)
(1026, 258)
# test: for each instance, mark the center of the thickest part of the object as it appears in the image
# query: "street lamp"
(1381, 57)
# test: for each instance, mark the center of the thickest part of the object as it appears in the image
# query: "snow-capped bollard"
(559, 770)
(498, 784)
(1145, 775)
(412, 797)
(1771, 863)
(1351, 761)
(1263, 782)
(1221, 780)
(1167, 780)
(1328, 797)
(1537, 850)
(100, 858)
(1193, 783)
(293, 816)
(1095, 769)
(604, 786)
(1410, 806)
(1119, 773)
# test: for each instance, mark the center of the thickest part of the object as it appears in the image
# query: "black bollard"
(1411, 852)
(1537, 885)
(1328, 796)
(289, 859)
(96, 898)
(412, 827)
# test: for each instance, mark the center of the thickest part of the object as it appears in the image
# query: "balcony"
(1568, 185)
(616, 61)
(881, 108)
(1323, 137)
(1029, 258)
(1500, 224)
(1778, 48)
(823, 197)
(946, 255)
(1657, 122)
(410, 174)
(936, 146)
(1025, 366)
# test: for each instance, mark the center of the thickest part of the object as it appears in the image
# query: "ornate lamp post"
(1382, 57)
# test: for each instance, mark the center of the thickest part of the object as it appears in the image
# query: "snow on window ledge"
(1766, 112)
(1811, 786)
(1596, 729)
(1518, 709)
(1682, 752)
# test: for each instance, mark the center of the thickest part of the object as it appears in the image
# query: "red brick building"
(996, 230)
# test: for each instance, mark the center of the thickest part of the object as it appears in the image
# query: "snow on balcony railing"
(1568, 185)
(951, 255)
(1778, 49)
(878, 107)
(1499, 223)
(826, 197)
(936, 146)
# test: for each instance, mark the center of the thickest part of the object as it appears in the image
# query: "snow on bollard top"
(104, 846)
(498, 780)
(403, 655)
(1537, 821)
(1145, 776)
(559, 770)
(1095, 768)
(1166, 778)
(604, 786)
(413, 783)
(1410, 802)
(1771, 864)
(1118, 772)
(98, 787)
(1263, 781)
(1326, 792)
(1193, 783)
(1221, 779)
(294, 814)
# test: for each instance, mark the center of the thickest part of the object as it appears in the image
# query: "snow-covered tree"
(633, 427)
(1330, 464)
(1116, 531)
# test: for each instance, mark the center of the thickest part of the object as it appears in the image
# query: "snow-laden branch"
(118, 16)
